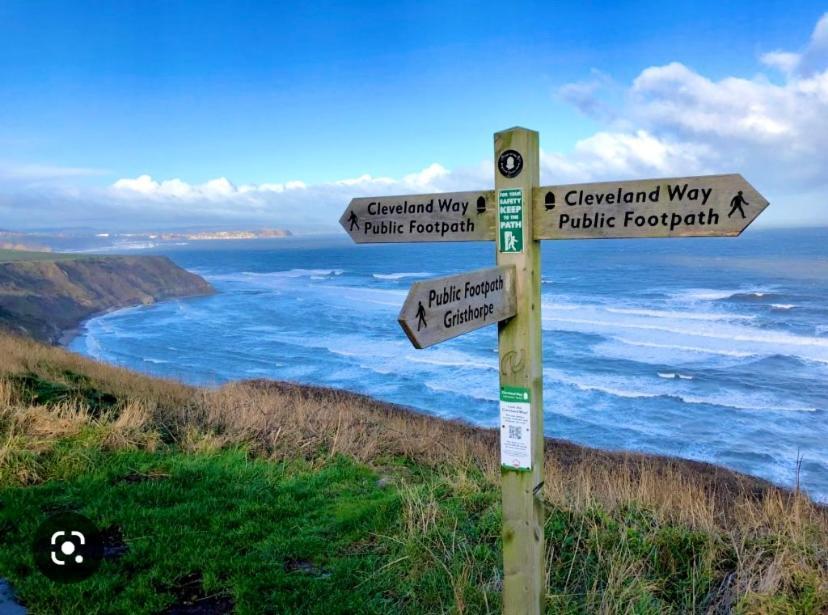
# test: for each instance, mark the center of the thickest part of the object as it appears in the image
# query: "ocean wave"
(783, 307)
(597, 385)
(769, 406)
(674, 376)
(473, 392)
(679, 315)
(763, 341)
(303, 273)
(565, 307)
(135, 245)
(400, 276)
(636, 388)
(712, 294)
(756, 296)
(460, 361)
(696, 349)
(263, 276)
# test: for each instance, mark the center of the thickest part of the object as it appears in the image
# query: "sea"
(707, 349)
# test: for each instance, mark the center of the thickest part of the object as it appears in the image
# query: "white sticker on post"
(515, 429)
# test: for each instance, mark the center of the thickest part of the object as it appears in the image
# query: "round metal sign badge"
(510, 163)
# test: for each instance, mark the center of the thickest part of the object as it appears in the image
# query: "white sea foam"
(708, 336)
(458, 360)
(641, 388)
(695, 349)
(400, 276)
(710, 294)
(674, 376)
(783, 306)
(473, 392)
(253, 276)
(93, 346)
(302, 273)
(679, 315)
(135, 245)
(704, 294)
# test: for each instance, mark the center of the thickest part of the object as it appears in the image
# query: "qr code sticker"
(514, 432)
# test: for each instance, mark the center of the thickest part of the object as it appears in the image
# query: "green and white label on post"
(510, 220)
(515, 429)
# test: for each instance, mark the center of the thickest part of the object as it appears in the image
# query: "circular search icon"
(68, 547)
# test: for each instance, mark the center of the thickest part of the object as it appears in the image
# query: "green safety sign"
(510, 220)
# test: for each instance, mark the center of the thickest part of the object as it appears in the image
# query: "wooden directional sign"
(439, 309)
(707, 206)
(442, 308)
(446, 216)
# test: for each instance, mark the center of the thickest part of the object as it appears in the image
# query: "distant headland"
(46, 295)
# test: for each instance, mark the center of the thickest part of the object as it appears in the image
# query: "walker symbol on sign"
(421, 321)
(353, 220)
(736, 203)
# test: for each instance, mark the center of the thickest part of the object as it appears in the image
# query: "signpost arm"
(519, 341)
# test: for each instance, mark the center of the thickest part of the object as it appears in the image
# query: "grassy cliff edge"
(272, 497)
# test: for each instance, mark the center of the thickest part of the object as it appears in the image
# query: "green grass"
(316, 532)
(326, 537)
(71, 387)
(9, 256)
(272, 536)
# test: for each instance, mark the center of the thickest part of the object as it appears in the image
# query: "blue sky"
(95, 96)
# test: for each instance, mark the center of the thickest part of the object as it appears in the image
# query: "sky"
(159, 115)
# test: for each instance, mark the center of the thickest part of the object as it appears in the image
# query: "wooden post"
(517, 167)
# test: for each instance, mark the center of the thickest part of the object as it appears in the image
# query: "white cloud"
(677, 121)
(584, 95)
(622, 155)
(812, 59)
(151, 203)
(670, 120)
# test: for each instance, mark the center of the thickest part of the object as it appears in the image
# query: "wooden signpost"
(707, 206)
(516, 216)
(449, 216)
(442, 308)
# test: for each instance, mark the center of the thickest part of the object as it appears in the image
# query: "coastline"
(68, 334)
(566, 452)
(50, 299)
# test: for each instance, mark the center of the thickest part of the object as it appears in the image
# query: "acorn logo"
(510, 163)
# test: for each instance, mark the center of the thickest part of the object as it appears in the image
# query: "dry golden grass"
(778, 537)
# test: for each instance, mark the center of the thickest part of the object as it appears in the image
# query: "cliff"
(43, 297)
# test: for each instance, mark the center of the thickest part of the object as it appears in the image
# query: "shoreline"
(705, 468)
(574, 451)
(49, 299)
